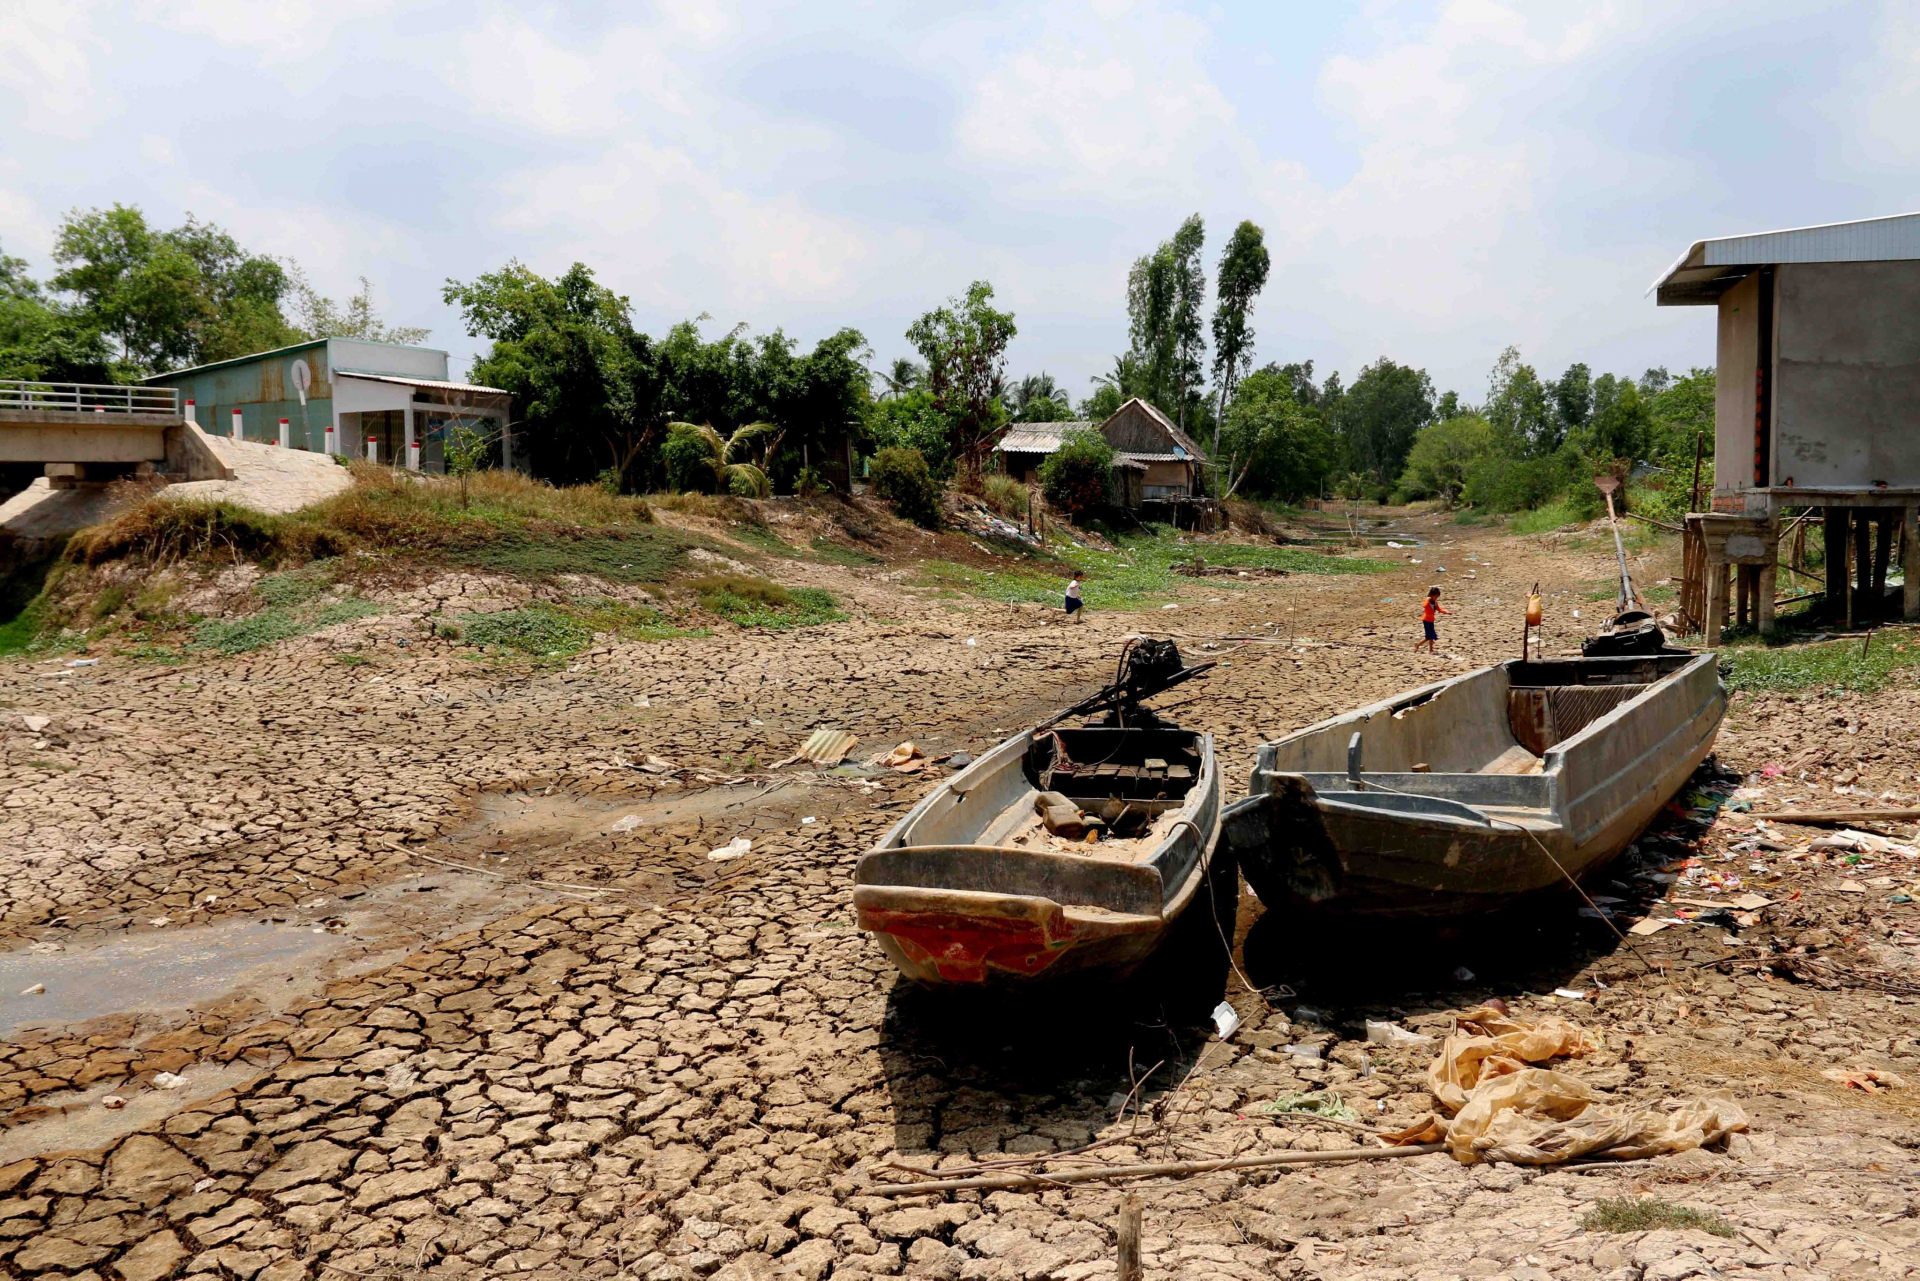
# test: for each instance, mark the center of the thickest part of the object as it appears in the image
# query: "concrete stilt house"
(390, 403)
(1814, 417)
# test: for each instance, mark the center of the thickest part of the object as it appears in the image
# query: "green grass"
(1313, 1103)
(638, 555)
(540, 630)
(1138, 573)
(762, 539)
(1645, 1214)
(1824, 665)
(759, 602)
(828, 550)
(296, 586)
(632, 622)
(274, 623)
(1541, 519)
(24, 594)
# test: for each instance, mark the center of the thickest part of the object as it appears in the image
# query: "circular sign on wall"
(302, 378)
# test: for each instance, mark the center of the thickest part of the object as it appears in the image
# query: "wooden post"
(1131, 1268)
(1836, 534)
(1693, 497)
(1883, 524)
(1910, 559)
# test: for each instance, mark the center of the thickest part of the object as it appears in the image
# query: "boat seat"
(1515, 760)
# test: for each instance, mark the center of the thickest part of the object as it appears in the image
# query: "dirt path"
(442, 1007)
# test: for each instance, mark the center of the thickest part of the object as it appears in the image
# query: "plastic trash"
(1393, 1034)
(1571, 994)
(1226, 1020)
(1462, 975)
(35, 724)
(113, 1103)
(626, 822)
(38, 989)
(732, 849)
(168, 1081)
(1314, 1052)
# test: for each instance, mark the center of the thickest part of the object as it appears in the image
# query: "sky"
(1435, 180)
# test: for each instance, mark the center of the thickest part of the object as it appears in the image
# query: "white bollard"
(286, 435)
(373, 449)
(413, 456)
(331, 447)
(188, 412)
(239, 426)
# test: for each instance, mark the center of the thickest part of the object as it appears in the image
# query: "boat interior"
(1495, 724)
(1129, 784)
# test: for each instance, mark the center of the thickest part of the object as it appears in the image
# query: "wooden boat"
(1477, 793)
(973, 888)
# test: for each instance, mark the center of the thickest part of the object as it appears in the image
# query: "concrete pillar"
(1883, 527)
(373, 449)
(412, 456)
(1743, 593)
(286, 434)
(1910, 563)
(186, 411)
(239, 426)
(1861, 603)
(1765, 586)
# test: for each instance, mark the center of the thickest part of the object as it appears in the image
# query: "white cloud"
(47, 54)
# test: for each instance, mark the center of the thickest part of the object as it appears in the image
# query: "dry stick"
(1165, 1169)
(1129, 1267)
(1816, 818)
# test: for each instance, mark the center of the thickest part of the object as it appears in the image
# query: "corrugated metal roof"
(1710, 267)
(1035, 438)
(1136, 456)
(827, 746)
(436, 384)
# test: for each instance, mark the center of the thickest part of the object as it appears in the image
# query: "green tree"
(912, 421)
(1624, 428)
(1244, 265)
(902, 481)
(1103, 404)
(465, 448)
(1444, 454)
(1165, 292)
(1682, 414)
(42, 341)
(902, 376)
(1380, 415)
(727, 461)
(1075, 477)
(965, 346)
(321, 317)
(584, 383)
(1572, 395)
(1035, 395)
(1517, 405)
(1270, 444)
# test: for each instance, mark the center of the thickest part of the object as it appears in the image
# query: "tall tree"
(1573, 399)
(1165, 293)
(1270, 445)
(1518, 407)
(1244, 264)
(321, 317)
(964, 344)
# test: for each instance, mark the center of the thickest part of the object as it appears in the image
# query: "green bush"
(1076, 476)
(1005, 495)
(901, 479)
(759, 602)
(807, 483)
(688, 460)
(536, 629)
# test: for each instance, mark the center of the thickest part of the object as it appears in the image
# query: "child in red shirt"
(1427, 612)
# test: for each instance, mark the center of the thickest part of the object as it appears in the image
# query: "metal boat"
(975, 886)
(1471, 795)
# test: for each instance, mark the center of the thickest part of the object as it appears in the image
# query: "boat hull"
(964, 915)
(1318, 845)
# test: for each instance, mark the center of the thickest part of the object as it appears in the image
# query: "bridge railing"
(88, 398)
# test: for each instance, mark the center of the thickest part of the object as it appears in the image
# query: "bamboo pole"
(1340, 1155)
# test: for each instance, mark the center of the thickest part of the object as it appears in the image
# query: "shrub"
(688, 460)
(1005, 495)
(759, 602)
(1075, 477)
(900, 477)
(536, 629)
(807, 483)
(1644, 1214)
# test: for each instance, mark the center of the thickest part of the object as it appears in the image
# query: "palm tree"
(723, 451)
(903, 376)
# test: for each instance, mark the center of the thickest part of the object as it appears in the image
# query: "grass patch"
(1645, 1214)
(759, 602)
(236, 636)
(632, 622)
(296, 586)
(510, 524)
(24, 593)
(764, 540)
(540, 630)
(828, 550)
(1138, 572)
(1822, 665)
(1315, 1103)
(1541, 519)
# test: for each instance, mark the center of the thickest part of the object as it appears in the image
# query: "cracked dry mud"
(435, 1016)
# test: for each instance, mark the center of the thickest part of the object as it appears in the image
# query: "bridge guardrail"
(85, 398)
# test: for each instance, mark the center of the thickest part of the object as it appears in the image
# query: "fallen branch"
(1171, 1168)
(1822, 818)
(1651, 521)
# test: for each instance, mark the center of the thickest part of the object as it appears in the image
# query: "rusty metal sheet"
(827, 746)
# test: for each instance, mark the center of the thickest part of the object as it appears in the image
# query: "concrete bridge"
(81, 432)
